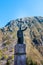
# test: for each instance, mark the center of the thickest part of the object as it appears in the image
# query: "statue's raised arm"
(24, 29)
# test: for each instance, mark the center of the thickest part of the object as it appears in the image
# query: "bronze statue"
(20, 34)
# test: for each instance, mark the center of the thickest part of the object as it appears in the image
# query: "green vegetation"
(12, 57)
(30, 62)
(6, 56)
(1, 54)
(5, 49)
(8, 42)
(14, 35)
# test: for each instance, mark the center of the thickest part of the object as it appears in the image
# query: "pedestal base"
(20, 54)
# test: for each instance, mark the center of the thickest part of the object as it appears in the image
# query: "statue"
(20, 48)
(20, 33)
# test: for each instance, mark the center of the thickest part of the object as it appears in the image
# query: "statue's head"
(20, 19)
(20, 25)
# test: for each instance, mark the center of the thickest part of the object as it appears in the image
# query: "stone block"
(20, 54)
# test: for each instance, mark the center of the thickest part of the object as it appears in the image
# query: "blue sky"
(13, 9)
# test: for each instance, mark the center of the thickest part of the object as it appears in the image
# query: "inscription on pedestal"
(20, 48)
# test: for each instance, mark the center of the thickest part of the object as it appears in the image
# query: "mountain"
(33, 38)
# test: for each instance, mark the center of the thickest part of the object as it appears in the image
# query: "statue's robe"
(20, 36)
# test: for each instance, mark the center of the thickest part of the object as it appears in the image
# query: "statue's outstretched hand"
(24, 29)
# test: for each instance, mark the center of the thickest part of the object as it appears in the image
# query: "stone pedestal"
(20, 54)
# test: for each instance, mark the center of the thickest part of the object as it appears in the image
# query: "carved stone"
(20, 54)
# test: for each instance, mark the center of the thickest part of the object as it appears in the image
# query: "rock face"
(33, 37)
(20, 54)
